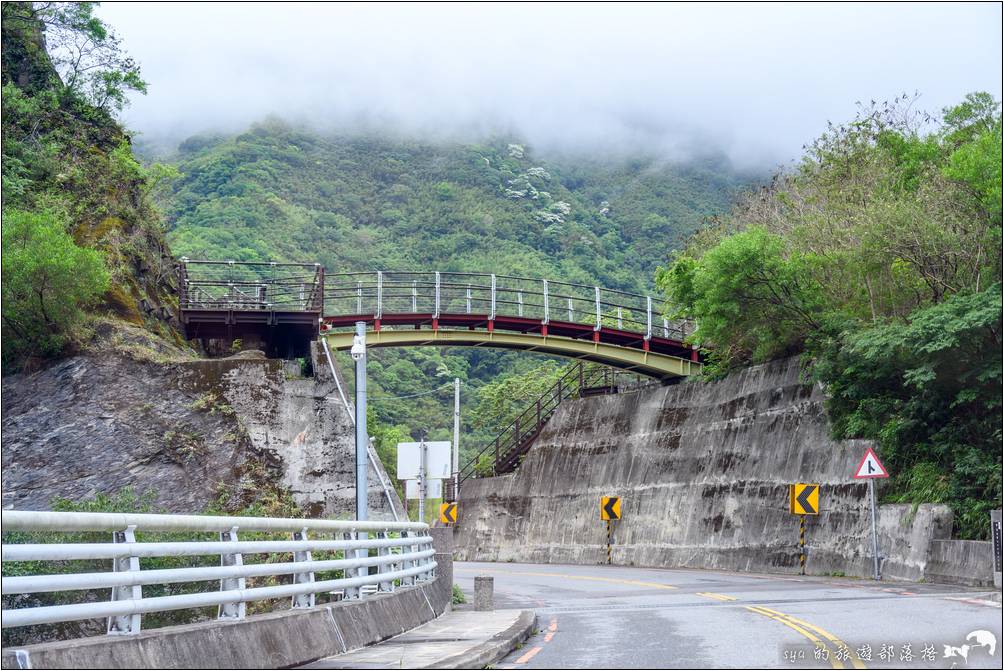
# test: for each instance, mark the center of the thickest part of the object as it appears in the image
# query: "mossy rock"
(123, 305)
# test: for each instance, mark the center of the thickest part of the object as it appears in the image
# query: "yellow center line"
(529, 654)
(788, 623)
(719, 597)
(565, 576)
(858, 664)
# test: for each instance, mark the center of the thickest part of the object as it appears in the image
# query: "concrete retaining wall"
(703, 470)
(962, 562)
(275, 640)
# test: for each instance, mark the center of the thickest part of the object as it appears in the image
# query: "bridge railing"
(247, 286)
(363, 556)
(383, 293)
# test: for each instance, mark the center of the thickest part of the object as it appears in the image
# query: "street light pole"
(362, 436)
(456, 436)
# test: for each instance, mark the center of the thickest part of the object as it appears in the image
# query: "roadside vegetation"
(878, 257)
(80, 235)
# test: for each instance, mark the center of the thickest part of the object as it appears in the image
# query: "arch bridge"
(590, 323)
(284, 306)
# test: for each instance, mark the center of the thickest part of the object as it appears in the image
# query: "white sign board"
(871, 467)
(437, 460)
(434, 489)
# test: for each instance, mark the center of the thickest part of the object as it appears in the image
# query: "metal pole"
(456, 436)
(608, 542)
(801, 544)
(875, 546)
(362, 437)
(421, 481)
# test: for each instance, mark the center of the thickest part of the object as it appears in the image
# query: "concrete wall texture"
(703, 471)
(275, 640)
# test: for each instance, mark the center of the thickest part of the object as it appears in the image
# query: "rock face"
(194, 432)
(703, 471)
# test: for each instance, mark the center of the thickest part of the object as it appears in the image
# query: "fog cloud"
(756, 81)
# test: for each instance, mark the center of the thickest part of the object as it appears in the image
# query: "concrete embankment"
(703, 471)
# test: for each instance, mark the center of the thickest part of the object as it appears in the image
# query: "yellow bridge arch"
(652, 364)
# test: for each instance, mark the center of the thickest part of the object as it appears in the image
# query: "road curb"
(495, 648)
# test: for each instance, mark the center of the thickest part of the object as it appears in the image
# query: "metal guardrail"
(404, 555)
(250, 286)
(436, 293)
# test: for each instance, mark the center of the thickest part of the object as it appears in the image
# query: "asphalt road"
(622, 617)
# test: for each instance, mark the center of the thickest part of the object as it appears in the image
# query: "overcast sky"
(757, 81)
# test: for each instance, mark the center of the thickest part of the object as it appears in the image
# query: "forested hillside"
(879, 257)
(362, 202)
(82, 241)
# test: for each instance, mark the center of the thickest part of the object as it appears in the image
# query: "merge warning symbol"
(448, 513)
(803, 499)
(610, 508)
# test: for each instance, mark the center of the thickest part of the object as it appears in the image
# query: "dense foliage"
(357, 202)
(47, 281)
(879, 256)
(66, 160)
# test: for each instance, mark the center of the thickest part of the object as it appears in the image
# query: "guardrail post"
(125, 624)
(379, 305)
(350, 592)
(302, 600)
(235, 610)
(519, 303)
(435, 314)
(648, 327)
(571, 312)
(414, 295)
(409, 580)
(385, 585)
(492, 315)
(665, 327)
(468, 299)
(620, 318)
(599, 313)
(547, 311)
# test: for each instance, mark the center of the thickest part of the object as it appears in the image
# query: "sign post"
(610, 509)
(424, 461)
(424, 466)
(995, 544)
(869, 469)
(803, 499)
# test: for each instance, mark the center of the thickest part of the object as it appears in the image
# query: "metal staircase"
(509, 446)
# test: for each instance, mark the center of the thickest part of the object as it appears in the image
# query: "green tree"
(929, 390)
(84, 50)
(751, 296)
(48, 281)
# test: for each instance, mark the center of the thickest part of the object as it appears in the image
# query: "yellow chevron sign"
(803, 499)
(448, 513)
(610, 508)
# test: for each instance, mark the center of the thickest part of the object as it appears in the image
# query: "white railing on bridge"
(381, 293)
(403, 556)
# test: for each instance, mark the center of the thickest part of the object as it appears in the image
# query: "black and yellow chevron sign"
(610, 508)
(803, 499)
(448, 513)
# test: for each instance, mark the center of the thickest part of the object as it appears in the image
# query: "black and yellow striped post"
(801, 544)
(608, 541)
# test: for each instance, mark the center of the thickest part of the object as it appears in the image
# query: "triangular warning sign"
(871, 467)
